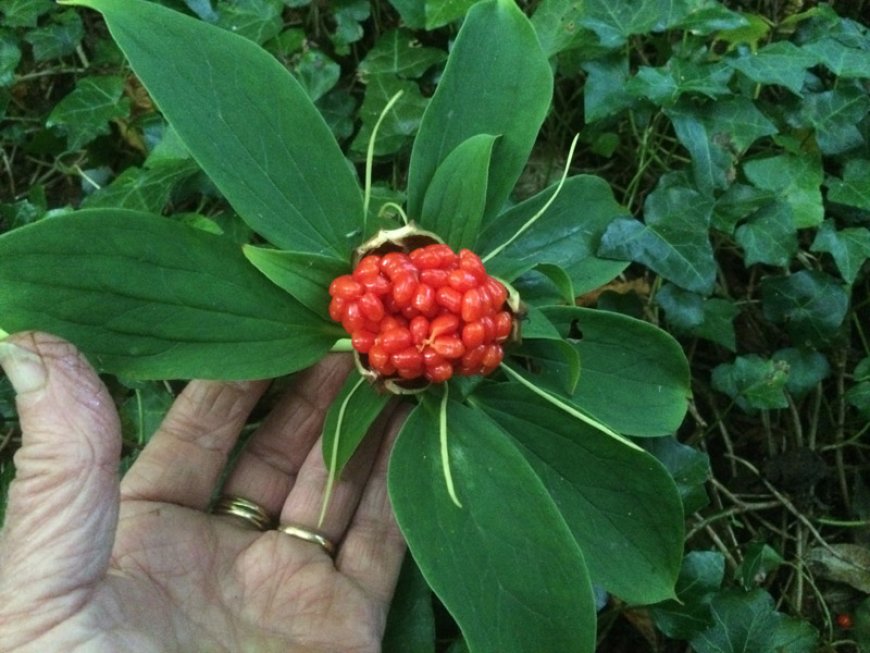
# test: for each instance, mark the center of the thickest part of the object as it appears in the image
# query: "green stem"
(445, 459)
(542, 210)
(370, 153)
(333, 457)
(568, 408)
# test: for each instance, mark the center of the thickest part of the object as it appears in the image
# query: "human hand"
(88, 564)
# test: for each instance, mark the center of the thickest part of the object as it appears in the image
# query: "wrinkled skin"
(88, 564)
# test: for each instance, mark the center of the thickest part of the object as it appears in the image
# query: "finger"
(304, 506)
(183, 461)
(373, 546)
(267, 468)
(63, 504)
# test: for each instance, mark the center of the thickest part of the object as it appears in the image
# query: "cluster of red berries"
(430, 313)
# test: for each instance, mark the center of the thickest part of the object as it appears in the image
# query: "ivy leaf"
(86, 112)
(440, 12)
(754, 383)
(58, 38)
(769, 236)
(317, 73)
(10, 56)
(794, 178)
(849, 247)
(834, 115)
(806, 369)
(399, 124)
(398, 53)
(24, 13)
(747, 621)
(684, 309)
(843, 59)
(674, 242)
(665, 85)
(143, 189)
(257, 20)
(604, 93)
(854, 188)
(700, 578)
(689, 467)
(557, 25)
(614, 22)
(348, 16)
(812, 305)
(781, 63)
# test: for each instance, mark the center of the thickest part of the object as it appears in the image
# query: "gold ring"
(308, 536)
(248, 511)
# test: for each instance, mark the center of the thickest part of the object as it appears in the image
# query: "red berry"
(845, 621)
(346, 287)
(448, 346)
(435, 278)
(461, 280)
(472, 306)
(395, 340)
(473, 334)
(450, 299)
(370, 266)
(362, 341)
(444, 324)
(371, 307)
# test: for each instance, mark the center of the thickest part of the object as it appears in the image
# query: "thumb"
(62, 508)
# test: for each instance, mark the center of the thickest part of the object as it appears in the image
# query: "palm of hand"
(176, 578)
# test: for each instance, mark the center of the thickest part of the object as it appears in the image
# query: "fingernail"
(24, 369)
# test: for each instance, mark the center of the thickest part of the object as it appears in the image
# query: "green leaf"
(753, 382)
(24, 13)
(747, 621)
(834, 115)
(795, 179)
(854, 188)
(317, 73)
(143, 189)
(10, 56)
(812, 304)
(58, 38)
(626, 362)
(689, 467)
(604, 93)
(614, 22)
(148, 298)
(674, 242)
(478, 562)
(354, 409)
(718, 324)
(843, 59)
(858, 396)
(567, 234)
(665, 85)
(399, 124)
(497, 81)
(411, 621)
(769, 236)
(556, 23)
(758, 561)
(440, 12)
(398, 53)
(456, 197)
(849, 247)
(251, 128)
(304, 275)
(257, 20)
(806, 369)
(555, 361)
(736, 203)
(348, 16)
(684, 309)
(781, 63)
(619, 502)
(87, 111)
(143, 413)
(700, 578)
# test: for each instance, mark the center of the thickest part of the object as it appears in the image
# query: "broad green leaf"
(440, 12)
(556, 363)
(769, 236)
(497, 81)
(781, 63)
(834, 115)
(248, 123)
(305, 276)
(634, 377)
(411, 621)
(148, 298)
(806, 369)
(456, 198)
(479, 563)
(795, 179)
(854, 188)
(674, 242)
(620, 503)
(753, 382)
(257, 20)
(812, 305)
(354, 409)
(397, 53)
(143, 189)
(700, 577)
(688, 466)
(567, 234)
(88, 110)
(399, 124)
(57, 38)
(560, 279)
(24, 13)
(747, 621)
(850, 247)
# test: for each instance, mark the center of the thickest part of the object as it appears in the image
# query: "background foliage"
(736, 136)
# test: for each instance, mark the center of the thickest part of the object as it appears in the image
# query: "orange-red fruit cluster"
(429, 313)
